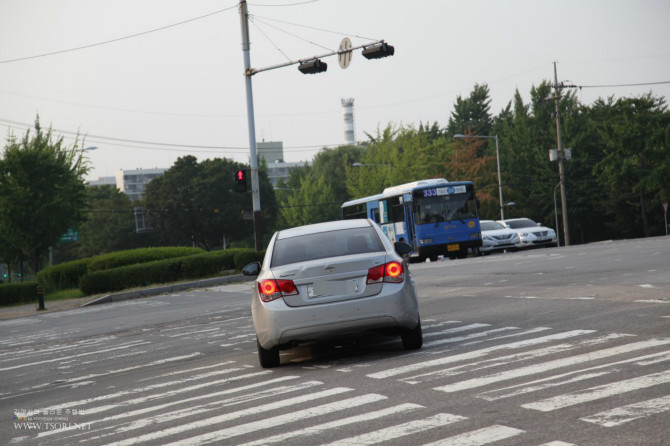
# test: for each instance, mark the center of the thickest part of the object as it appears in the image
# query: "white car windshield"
(524, 223)
(490, 225)
(322, 245)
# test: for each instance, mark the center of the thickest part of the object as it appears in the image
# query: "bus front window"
(446, 208)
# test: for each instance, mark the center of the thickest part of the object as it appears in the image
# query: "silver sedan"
(331, 280)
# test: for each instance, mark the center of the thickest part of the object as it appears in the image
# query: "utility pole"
(561, 160)
(255, 194)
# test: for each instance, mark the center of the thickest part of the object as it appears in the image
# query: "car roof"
(517, 219)
(323, 227)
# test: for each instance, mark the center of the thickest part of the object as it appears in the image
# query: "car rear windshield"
(325, 244)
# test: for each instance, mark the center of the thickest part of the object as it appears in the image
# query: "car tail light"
(270, 290)
(392, 272)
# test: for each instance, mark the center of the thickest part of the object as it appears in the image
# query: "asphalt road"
(552, 347)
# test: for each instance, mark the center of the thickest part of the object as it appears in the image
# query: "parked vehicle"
(530, 233)
(496, 237)
(331, 280)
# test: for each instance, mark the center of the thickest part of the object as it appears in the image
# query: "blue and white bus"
(434, 216)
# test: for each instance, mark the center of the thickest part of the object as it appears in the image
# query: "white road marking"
(269, 422)
(315, 430)
(400, 430)
(551, 365)
(624, 414)
(479, 437)
(509, 359)
(599, 392)
(456, 339)
(475, 354)
(78, 355)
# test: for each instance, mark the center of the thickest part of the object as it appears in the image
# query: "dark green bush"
(207, 264)
(246, 256)
(17, 293)
(129, 276)
(140, 255)
(64, 275)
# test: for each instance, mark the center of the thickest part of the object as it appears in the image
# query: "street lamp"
(502, 206)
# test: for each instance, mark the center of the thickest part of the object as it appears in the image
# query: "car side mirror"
(252, 269)
(402, 248)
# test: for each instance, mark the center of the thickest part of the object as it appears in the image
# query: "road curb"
(127, 295)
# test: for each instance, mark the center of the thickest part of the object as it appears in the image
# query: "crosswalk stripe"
(454, 330)
(599, 392)
(280, 420)
(400, 430)
(235, 415)
(479, 437)
(624, 414)
(314, 430)
(533, 386)
(551, 365)
(142, 420)
(163, 385)
(456, 339)
(475, 354)
(77, 355)
(509, 359)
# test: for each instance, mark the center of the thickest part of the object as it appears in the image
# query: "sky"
(149, 81)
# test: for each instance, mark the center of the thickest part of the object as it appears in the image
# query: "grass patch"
(72, 293)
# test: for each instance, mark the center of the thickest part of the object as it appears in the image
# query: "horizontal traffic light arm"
(379, 43)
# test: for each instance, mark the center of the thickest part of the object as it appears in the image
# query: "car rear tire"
(268, 358)
(412, 338)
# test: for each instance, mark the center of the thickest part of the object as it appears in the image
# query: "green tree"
(195, 204)
(313, 202)
(472, 115)
(110, 222)
(42, 192)
(635, 161)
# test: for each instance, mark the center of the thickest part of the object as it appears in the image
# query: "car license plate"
(454, 247)
(332, 288)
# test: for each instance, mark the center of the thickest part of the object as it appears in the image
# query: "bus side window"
(374, 215)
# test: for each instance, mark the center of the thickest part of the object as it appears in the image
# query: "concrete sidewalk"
(67, 304)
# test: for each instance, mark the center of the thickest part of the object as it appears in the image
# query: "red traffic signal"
(240, 176)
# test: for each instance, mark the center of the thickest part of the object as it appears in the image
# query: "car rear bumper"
(278, 324)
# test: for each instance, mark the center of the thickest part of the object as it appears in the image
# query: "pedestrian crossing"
(230, 400)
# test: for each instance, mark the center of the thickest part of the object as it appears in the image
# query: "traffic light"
(313, 66)
(378, 51)
(240, 177)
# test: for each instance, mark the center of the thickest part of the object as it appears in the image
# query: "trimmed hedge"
(18, 293)
(163, 271)
(140, 255)
(68, 275)
(64, 275)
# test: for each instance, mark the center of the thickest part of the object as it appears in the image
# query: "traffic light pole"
(375, 50)
(255, 194)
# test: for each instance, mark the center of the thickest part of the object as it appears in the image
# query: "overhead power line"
(618, 85)
(118, 39)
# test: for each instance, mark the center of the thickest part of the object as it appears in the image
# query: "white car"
(530, 233)
(331, 280)
(496, 237)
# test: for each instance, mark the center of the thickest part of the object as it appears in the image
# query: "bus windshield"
(440, 208)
